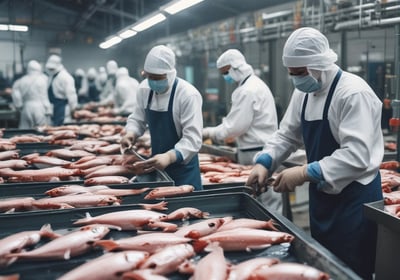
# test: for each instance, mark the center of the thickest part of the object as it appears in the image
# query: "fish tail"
(47, 231)
(108, 245)
(199, 245)
(85, 220)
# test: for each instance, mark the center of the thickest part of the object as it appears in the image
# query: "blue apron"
(337, 221)
(164, 137)
(59, 105)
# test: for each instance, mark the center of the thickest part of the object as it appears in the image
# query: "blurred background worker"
(81, 85)
(252, 118)
(29, 95)
(109, 87)
(61, 90)
(125, 92)
(172, 109)
(337, 117)
(93, 89)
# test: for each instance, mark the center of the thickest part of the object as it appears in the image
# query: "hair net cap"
(53, 62)
(123, 71)
(112, 67)
(160, 60)
(92, 73)
(34, 66)
(307, 47)
(231, 57)
(80, 72)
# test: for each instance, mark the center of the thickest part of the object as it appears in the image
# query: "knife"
(131, 151)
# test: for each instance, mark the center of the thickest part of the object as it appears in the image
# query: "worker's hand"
(290, 178)
(159, 161)
(258, 179)
(128, 140)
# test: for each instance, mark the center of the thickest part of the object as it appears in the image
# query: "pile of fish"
(99, 114)
(186, 242)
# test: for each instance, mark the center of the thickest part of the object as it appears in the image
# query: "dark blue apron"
(164, 137)
(337, 221)
(59, 105)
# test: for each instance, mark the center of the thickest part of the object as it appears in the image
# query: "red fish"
(213, 266)
(76, 201)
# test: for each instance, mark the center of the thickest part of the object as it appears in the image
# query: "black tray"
(10, 132)
(39, 147)
(303, 249)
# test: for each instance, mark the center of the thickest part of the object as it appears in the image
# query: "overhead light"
(13, 27)
(153, 20)
(127, 34)
(180, 5)
(111, 42)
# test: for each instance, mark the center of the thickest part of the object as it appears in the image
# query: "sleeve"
(136, 121)
(70, 91)
(43, 93)
(16, 95)
(191, 120)
(128, 92)
(236, 122)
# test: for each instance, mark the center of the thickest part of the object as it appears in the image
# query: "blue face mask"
(228, 78)
(159, 86)
(306, 83)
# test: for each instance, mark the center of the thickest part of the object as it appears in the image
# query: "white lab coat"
(355, 120)
(125, 94)
(29, 95)
(64, 87)
(186, 111)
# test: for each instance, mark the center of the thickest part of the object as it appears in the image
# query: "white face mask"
(306, 83)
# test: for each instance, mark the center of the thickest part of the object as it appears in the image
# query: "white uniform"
(186, 110)
(125, 94)
(354, 117)
(29, 94)
(64, 88)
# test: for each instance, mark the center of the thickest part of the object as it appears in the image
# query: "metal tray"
(10, 132)
(218, 151)
(303, 249)
(39, 147)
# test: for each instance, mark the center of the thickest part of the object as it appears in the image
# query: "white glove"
(159, 161)
(290, 178)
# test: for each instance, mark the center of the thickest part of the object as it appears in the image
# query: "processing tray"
(388, 243)
(303, 249)
(10, 132)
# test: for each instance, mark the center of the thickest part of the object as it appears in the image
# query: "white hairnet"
(91, 73)
(54, 62)
(307, 47)
(34, 66)
(231, 57)
(123, 71)
(160, 60)
(79, 72)
(112, 67)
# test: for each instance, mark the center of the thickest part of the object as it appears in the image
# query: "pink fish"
(213, 266)
(107, 267)
(293, 271)
(243, 239)
(16, 204)
(199, 229)
(162, 192)
(16, 242)
(168, 259)
(76, 201)
(110, 170)
(106, 180)
(66, 246)
(248, 223)
(126, 220)
(149, 242)
(14, 164)
(244, 269)
(49, 161)
(185, 213)
(73, 189)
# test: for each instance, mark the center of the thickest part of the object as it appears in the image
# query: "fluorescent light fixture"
(127, 33)
(12, 27)
(111, 42)
(180, 5)
(153, 20)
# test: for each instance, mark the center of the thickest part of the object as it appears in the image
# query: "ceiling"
(94, 20)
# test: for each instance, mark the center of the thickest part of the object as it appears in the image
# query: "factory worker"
(101, 79)
(109, 87)
(337, 117)
(29, 95)
(93, 90)
(171, 107)
(252, 118)
(81, 85)
(125, 92)
(61, 90)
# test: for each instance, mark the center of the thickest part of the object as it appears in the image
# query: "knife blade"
(131, 151)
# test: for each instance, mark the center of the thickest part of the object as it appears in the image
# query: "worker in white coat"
(125, 92)
(337, 117)
(29, 95)
(61, 90)
(172, 109)
(109, 87)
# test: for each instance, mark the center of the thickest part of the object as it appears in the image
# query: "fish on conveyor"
(73, 189)
(5, 155)
(66, 246)
(16, 204)
(212, 266)
(185, 213)
(14, 164)
(202, 228)
(110, 170)
(17, 241)
(106, 180)
(169, 191)
(248, 223)
(67, 154)
(49, 161)
(244, 269)
(149, 242)
(107, 267)
(41, 175)
(76, 201)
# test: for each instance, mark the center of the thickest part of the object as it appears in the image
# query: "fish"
(66, 246)
(243, 239)
(41, 175)
(14, 164)
(16, 204)
(53, 161)
(199, 229)
(6, 155)
(168, 259)
(107, 267)
(110, 170)
(149, 242)
(185, 213)
(106, 180)
(76, 201)
(212, 266)
(162, 192)
(17, 241)
(244, 269)
(73, 189)
(126, 220)
(14, 276)
(95, 161)
(67, 154)
(142, 274)
(293, 271)
(248, 223)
